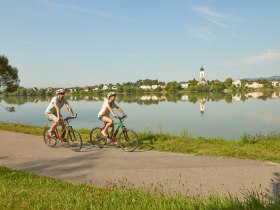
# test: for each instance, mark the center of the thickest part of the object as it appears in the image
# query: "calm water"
(201, 116)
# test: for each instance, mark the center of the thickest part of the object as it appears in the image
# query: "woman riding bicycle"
(104, 114)
(53, 110)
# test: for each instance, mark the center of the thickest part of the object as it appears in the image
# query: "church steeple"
(201, 74)
(201, 68)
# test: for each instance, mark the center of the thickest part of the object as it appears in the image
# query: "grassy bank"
(24, 190)
(257, 147)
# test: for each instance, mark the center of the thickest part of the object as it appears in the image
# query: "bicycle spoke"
(128, 140)
(96, 138)
(74, 140)
(48, 140)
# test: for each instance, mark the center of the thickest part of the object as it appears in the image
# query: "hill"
(263, 78)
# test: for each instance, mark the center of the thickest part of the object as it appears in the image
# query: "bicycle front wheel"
(96, 138)
(74, 140)
(128, 140)
(48, 140)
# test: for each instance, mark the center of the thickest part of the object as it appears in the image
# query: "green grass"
(256, 147)
(262, 149)
(24, 190)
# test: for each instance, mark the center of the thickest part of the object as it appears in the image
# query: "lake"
(207, 115)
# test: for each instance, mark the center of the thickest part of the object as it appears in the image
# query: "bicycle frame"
(65, 127)
(127, 138)
(119, 125)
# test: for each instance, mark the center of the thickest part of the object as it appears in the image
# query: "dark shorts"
(101, 117)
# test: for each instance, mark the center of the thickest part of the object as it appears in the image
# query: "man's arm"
(69, 108)
(57, 110)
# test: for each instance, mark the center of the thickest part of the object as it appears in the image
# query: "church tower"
(201, 75)
(202, 80)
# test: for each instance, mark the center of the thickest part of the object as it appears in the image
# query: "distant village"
(253, 88)
(184, 85)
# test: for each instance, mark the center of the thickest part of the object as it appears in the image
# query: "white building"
(275, 83)
(105, 87)
(184, 84)
(145, 87)
(236, 83)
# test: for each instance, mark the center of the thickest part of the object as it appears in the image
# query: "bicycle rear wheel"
(96, 138)
(128, 140)
(48, 140)
(74, 140)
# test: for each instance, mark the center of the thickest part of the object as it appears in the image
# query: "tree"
(228, 82)
(173, 86)
(8, 76)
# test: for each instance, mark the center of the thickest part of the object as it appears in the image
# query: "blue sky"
(65, 43)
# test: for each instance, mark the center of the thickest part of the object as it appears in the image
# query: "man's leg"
(55, 120)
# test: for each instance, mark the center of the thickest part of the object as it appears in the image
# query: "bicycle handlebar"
(124, 116)
(70, 117)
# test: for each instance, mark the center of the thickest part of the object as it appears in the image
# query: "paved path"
(169, 172)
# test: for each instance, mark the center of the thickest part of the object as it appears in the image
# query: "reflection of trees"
(15, 100)
(228, 98)
(153, 98)
(217, 96)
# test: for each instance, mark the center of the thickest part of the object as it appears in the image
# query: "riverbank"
(255, 147)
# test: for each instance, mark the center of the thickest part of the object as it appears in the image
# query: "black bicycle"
(73, 138)
(127, 138)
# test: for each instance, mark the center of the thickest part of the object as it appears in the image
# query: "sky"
(68, 43)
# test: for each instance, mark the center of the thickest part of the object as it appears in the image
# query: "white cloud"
(202, 33)
(80, 9)
(210, 15)
(90, 11)
(221, 19)
(269, 55)
(266, 56)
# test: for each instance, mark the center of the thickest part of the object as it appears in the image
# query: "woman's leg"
(109, 122)
(112, 130)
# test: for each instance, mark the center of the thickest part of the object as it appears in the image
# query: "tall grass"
(24, 190)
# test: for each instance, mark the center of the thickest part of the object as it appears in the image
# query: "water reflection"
(202, 106)
(202, 98)
(225, 115)
(192, 97)
(9, 109)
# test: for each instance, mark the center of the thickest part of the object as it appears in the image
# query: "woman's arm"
(121, 111)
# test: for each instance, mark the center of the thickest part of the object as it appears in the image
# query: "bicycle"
(127, 139)
(73, 137)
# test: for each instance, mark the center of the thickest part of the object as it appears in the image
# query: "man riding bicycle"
(53, 110)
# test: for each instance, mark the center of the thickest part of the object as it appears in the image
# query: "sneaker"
(114, 142)
(111, 141)
(51, 134)
(63, 140)
(104, 133)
